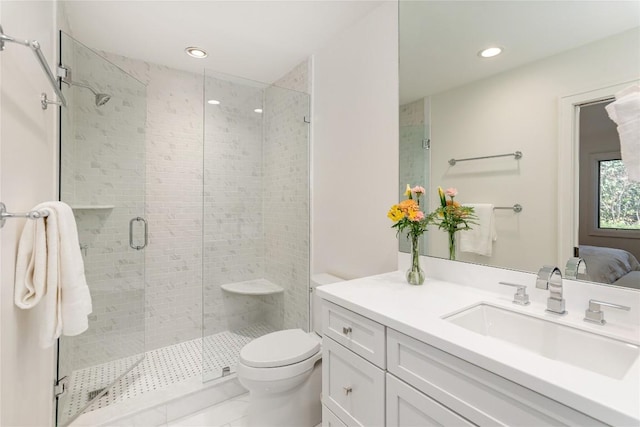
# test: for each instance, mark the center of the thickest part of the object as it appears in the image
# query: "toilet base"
(298, 407)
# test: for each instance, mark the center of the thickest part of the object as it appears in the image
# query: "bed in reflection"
(612, 266)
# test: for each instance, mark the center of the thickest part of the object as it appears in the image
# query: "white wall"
(355, 148)
(27, 177)
(518, 110)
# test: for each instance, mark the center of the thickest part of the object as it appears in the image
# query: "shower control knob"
(347, 390)
(346, 330)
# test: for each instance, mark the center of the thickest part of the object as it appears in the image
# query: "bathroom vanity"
(451, 353)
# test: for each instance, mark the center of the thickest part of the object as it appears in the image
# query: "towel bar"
(517, 208)
(517, 155)
(31, 214)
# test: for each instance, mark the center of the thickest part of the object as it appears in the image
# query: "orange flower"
(408, 206)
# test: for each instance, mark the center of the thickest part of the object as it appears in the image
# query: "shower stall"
(191, 196)
(414, 159)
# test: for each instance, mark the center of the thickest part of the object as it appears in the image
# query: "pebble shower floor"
(160, 368)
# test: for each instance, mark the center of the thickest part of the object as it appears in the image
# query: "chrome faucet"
(550, 277)
(576, 268)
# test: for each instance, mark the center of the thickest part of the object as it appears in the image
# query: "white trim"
(2, 277)
(568, 146)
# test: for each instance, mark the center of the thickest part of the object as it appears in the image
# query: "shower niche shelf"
(91, 207)
(253, 287)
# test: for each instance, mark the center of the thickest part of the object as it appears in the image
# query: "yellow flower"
(408, 191)
(395, 214)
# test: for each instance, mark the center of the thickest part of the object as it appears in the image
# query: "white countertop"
(418, 310)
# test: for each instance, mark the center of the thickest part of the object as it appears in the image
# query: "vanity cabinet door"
(359, 334)
(407, 407)
(352, 388)
(329, 419)
(476, 394)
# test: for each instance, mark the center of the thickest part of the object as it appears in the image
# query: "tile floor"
(231, 413)
(161, 368)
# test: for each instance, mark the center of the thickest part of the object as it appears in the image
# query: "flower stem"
(452, 245)
(415, 275)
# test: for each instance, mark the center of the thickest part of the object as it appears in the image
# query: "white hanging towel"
(480, 238)
(625, 112)
(50, 274)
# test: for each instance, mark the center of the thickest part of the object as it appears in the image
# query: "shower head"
(101, 98)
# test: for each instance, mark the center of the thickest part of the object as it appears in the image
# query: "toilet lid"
(279, 349)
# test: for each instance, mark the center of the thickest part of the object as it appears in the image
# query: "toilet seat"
(279, 349)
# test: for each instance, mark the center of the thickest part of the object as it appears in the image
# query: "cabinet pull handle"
(346, 330)
(347, 390)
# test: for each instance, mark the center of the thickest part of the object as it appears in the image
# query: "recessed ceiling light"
(196, 52)
(258, 110)
(213, 102)
(490, 52)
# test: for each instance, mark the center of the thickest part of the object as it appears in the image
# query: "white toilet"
(283, 373)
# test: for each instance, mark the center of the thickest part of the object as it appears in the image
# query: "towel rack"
(517, 155)
(517, 208)
(35, 47)
(31, 215)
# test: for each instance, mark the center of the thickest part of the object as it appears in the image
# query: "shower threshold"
(165, 374)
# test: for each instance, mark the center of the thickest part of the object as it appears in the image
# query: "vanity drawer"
(352, 388)
(406, 406)
(476, 394)
(329, 419)
(359, 334)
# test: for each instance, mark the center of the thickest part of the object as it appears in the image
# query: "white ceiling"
(258, 40)
(262, 40)
(439, 40)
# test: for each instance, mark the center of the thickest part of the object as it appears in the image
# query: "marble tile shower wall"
(233, 215)
(103, 164)
(286, 200)
(298, 79)
(174, 176)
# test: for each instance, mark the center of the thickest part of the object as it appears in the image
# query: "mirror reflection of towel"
(480, 238)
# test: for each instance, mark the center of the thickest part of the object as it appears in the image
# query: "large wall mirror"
(544, 96)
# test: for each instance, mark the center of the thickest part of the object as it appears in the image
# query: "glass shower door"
(102, 177)
(256, 216)
(415, 159)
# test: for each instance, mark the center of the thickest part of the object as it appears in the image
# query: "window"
(618, 197)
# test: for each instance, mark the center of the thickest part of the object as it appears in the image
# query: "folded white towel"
(480, 238)
(625, 111)
(50, 274)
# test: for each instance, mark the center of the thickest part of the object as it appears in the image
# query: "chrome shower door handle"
(146, 233)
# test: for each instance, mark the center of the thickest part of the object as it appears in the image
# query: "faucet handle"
(521, 296)
(594, 313)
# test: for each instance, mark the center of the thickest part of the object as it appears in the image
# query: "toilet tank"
(316, 311)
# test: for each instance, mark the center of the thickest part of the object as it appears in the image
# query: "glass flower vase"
(415, 274)
(452, 245)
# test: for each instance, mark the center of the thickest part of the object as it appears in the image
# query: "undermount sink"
(596, 353)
